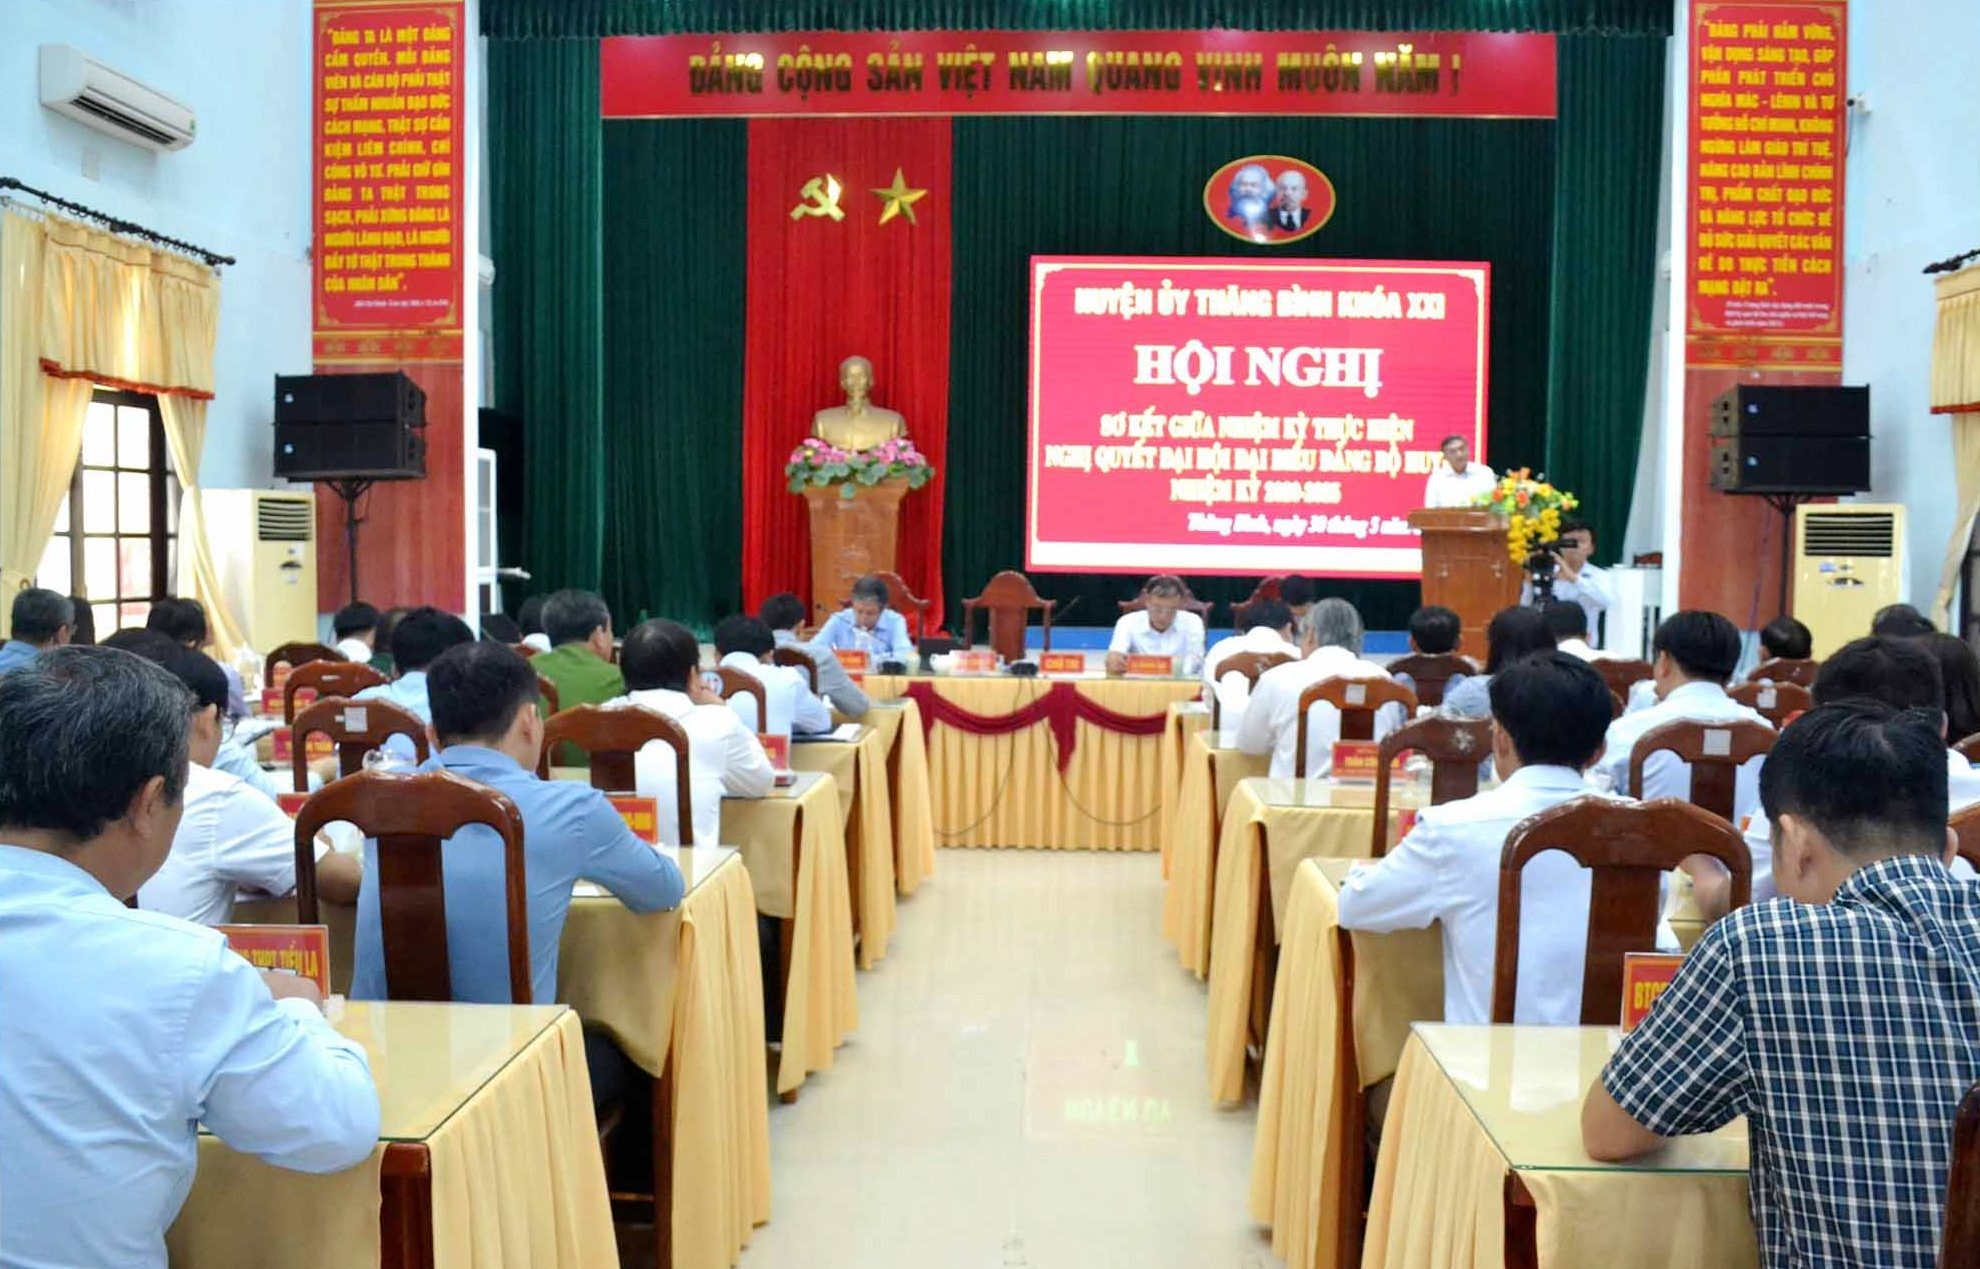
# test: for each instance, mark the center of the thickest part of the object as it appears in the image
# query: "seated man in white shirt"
(1568, 622)
(418, 639)
(122, 1032)
(1552, 710)
(231, 837)
(1264, 627)
(784, 613)
(662, 664)
(1576, 581)
(1457, 481)
(1694, 655)
(1331, 633)
(744, 643)
(1159, 629)
(356, 629)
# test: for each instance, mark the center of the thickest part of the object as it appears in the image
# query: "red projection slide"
(1236, 417)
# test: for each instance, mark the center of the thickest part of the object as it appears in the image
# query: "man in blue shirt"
(868, 626)
(122, 1032)
(486, 719)
(417, 641)
(42, 619)
(784, 613)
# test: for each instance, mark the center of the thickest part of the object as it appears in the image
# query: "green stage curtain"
(567, 19)
(1610, 165)
(546, 222)
(674, 248)
(1459, 189)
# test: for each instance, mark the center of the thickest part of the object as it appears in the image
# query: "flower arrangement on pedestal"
(1533, 510)
(817, 464)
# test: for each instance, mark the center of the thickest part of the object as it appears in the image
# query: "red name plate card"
(1356, 761)
(283, 746)
(778, 748)
(1062, 663)
(291, 803)
(1147, 667)
(855, 662)
(1210, 72)
(1646, 976)
(642, 815)
(303, 950)
(973, 663)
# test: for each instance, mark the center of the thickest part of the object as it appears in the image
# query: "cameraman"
(1575, 579)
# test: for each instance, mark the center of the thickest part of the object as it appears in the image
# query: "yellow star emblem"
(899, 199)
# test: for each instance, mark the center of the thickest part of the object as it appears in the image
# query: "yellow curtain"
(1956, 391)
(185, 435)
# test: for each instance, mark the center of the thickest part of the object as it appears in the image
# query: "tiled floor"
(1025, 1090)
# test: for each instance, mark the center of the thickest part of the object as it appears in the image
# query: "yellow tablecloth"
(1186, 719)
(1006, 790)
(1296, 1161)
(899, 725)
(821, 1005)
(499, 1098)
(689, 984)
(859, 769)
(1209, 775)
(1268, 838)
(1439, 1193)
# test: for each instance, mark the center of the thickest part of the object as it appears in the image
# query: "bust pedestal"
(851, 537)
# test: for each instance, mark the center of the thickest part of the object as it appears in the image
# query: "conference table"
(1057, 763)
(1210, 773)
(487, 1157)
(898, 723)
(1184, 719)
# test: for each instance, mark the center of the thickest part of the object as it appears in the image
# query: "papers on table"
(844, 732)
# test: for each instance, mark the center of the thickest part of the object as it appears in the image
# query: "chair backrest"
(526, 650)
(613, 737)
(410, 816)
(546, 687)
(899, 596)
(327, 678)
(1716, 751)
(1775, 701)
(1431, 671)
(1961, 1245)
(1628, 847)
(1008, 598)
(798, 659)
(1969, 748)
(1357, 700)
(1456, 747)
(1248, 666)
(1622, 675)
(295, 654)
(1799, 671)
(355, 728)
(1190, 603)
(739, 683)
(1966, 834)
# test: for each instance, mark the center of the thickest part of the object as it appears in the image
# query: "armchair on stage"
(1008, 598)
(1466, 568)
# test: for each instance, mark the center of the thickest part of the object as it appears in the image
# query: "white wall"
(1913, 197)
(242, 189)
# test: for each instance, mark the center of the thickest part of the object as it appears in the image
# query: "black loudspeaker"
(1791, 465)
(1772, 409)
(349, 427)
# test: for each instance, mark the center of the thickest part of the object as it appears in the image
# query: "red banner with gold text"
(386, 137)
(1766, 185)
(1212, 72)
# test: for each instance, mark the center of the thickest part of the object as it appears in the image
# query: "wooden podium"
(851, 537)
(1466, 568)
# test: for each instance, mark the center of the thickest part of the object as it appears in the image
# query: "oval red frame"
(1321, 200)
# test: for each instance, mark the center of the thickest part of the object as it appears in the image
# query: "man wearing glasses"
(1159, 629)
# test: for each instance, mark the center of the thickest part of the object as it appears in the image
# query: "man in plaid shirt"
(1843, 1020)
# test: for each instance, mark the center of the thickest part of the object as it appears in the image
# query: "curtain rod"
(1951, 263)
(116, 223)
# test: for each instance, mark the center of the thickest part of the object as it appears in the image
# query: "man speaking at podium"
(1457, 481)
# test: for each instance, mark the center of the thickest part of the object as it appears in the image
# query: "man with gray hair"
(1330, 636)
(867, 624)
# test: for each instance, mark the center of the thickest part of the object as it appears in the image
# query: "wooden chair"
(1800, 672)
(1775, 701)
(327, 678)
(1962, 1234)
(739, 683)
(1628, 848)
(798, 659)
(1715, 751)
(1455, 747)
(295, 654)
(898, 594)
(1247, 665)
(1618, 706)
(355, 728)
(1008, 598)
(525, 650)
(1622, 675)
(613, 737)
(410, 816)
(546, 687)
(1357, 700)
(1969, 748)
(1431, 671)
(1190, 603)
(1966, 834)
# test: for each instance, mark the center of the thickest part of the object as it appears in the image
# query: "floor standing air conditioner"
(1848, 563)
(264, 545)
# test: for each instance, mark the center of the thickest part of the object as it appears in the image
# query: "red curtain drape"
(821, 290)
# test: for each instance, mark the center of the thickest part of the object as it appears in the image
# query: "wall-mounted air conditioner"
(104, 98)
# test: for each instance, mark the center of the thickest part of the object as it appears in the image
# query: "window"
(116, 535)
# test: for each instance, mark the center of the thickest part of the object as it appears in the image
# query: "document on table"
(846, 732)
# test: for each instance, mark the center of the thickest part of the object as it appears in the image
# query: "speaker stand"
(1785, 503)
(350, 491)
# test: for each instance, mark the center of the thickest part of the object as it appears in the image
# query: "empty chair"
(1008, 599)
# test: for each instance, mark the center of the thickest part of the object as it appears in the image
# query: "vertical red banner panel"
(824, 287)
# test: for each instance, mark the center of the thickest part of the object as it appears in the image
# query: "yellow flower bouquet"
(1533, 510)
